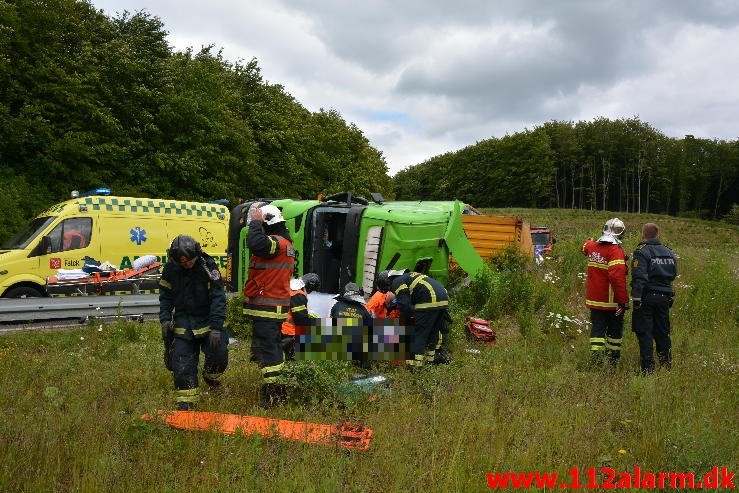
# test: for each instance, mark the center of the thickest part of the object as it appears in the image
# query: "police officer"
(606, 295)
(425, 300)
(298, 316)
(267, 293)
(653, 268)
(192, 311)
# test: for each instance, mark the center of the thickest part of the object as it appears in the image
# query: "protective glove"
(168, 339)
(622, 307)
(637, 305)
(166, 331)
(214, 338)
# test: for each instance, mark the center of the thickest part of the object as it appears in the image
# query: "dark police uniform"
(653, 268)
(197, 300)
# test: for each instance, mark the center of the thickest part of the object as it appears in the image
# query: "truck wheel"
(23, 292)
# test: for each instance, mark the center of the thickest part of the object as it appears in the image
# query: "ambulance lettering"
(127, 263)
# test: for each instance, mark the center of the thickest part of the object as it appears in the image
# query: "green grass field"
(73, 399)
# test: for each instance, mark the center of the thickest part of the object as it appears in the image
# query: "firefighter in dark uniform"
(653, 268)
(192, 311)
(351, 311)
(298, 316)
(426, 301)
(606, 294)
(267, 293)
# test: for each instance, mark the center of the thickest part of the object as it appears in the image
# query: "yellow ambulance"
(105, 228)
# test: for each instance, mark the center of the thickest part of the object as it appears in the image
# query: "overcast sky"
(424, 77)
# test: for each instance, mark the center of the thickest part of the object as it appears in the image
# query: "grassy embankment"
(73, 399)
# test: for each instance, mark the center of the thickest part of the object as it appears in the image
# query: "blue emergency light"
(96, 191)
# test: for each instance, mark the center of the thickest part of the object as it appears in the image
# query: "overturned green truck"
(344, 238)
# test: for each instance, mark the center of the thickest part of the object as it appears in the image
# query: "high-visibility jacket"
(606, 287)
(418, 292)
(376, 305)
(344, 308)
(270, 268)
(194, 296)
(298, 315)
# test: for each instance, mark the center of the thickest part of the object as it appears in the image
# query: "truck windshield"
(540, 238)
(27, 234)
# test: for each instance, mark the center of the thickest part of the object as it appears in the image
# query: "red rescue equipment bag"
(480, 329)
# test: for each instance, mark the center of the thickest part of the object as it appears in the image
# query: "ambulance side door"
(68, 244)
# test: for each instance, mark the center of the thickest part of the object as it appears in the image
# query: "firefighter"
(606, 295)
(192, 311)
(383, 305)
(267, 293)
(298, 316)
(355, 321)
(653, 268)
(424, 300)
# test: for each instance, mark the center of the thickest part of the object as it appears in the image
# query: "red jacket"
(268, 289)
(607, 270)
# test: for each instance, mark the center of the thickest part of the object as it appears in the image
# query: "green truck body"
(348, 239)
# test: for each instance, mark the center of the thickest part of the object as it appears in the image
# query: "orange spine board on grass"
(345, 435)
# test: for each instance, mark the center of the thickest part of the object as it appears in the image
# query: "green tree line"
(617, 165)
(89, 100)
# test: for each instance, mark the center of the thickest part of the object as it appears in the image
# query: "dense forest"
(622, 165)
(89, 100)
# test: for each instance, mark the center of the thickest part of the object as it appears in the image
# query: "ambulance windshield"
(27, 234)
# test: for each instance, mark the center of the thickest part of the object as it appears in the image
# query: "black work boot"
(442, 357)
(185, 406)
(212, 384)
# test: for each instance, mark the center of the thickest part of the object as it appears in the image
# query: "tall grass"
(72, 400)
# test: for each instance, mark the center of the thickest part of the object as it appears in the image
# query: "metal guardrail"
(77, 307)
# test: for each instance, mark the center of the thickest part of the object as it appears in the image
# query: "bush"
(732, 217)
(239, 326)
(505, 288)
(314, 382)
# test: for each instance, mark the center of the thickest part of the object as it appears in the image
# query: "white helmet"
(272, 214)
(612, 230)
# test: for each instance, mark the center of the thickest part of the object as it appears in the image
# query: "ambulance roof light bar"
(95, 191)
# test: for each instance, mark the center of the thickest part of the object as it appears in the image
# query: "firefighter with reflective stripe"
(653, 268)
(606, 295)
(355, 321)
(192, 311)
(298, 316)
(267, 293)
(424, 300)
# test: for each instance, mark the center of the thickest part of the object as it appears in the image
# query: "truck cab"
(543, 240)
